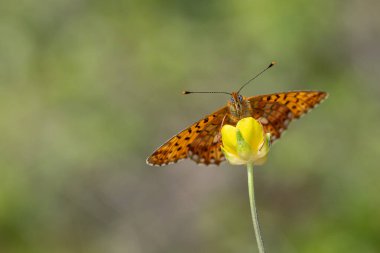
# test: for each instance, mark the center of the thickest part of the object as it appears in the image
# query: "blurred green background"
(88, 89)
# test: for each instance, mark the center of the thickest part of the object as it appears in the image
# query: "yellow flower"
(245, 143)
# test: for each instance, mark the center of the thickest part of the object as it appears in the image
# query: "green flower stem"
(255, 220)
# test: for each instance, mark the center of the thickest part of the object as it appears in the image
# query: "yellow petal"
(252, 132)
(229, 139)
(263, 152)
(232, 158)
(266, 146)
(261, 161)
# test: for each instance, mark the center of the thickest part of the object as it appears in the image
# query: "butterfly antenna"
(253, 78)
(190, 92)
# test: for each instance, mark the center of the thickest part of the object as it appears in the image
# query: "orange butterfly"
(201, 141)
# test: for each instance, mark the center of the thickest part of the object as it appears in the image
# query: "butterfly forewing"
(200, 142)
(276, 111)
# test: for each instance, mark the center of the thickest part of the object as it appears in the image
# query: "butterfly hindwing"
(276, 111)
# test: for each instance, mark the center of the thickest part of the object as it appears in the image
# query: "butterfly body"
(201, 141)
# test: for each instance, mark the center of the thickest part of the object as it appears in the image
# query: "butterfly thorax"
(238, 106)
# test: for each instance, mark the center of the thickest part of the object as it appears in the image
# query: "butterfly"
(201, 141)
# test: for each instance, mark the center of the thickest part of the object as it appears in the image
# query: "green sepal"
(243, 148)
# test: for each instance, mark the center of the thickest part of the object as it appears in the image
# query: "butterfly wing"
(276, 111)
(200, 142)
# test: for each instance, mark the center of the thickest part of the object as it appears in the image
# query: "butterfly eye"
(240, 98)
(232, 100)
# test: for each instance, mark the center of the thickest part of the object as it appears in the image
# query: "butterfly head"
(236, 98)
(237, 103)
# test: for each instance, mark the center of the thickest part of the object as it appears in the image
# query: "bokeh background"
(88, 89)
